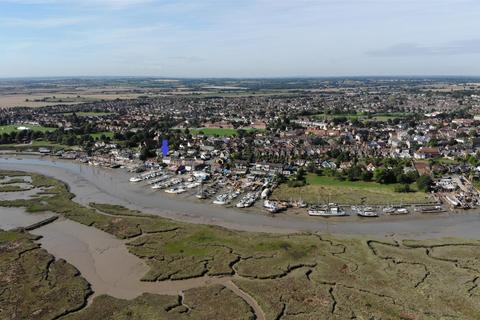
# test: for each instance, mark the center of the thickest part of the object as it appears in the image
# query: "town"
(318, 147)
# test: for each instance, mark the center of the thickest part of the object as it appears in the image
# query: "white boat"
(271, 206)
(265, 193)
(330, 210)
(389, 210)
(299, 204)
(248, 200)
(175, 190)
(367, 212)
(192, 185)
(160, 179)
(241, 204)
(135, 179)
(221, 199)
(400, 211)
(318, 211)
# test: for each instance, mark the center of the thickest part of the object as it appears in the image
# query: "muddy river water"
(104, 261)
(101, 258)
(94, 184)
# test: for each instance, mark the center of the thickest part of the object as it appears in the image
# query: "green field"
(322, 189)
(97, 135)
(14, 128)
(221, 132)
(35, 145)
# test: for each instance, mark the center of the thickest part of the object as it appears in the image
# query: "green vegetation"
(222, 132)
(33, 285)
(214, 302)
(103, 134)
(330, 189)
(12, 181)
(14, 128)
(11, 188)
(34, 145)
(297, 276)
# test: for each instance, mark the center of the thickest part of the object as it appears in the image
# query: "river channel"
(95, 184)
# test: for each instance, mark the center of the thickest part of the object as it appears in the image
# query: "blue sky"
(242, 38)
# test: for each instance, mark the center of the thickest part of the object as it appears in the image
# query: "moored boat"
(367, 212)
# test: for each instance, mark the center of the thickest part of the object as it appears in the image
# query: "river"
(95, 184)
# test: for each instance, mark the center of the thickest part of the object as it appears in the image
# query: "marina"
(100, 185)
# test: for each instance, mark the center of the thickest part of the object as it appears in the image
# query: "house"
(426, 153)
(371, 167)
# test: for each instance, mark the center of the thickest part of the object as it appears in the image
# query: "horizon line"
(431, 76)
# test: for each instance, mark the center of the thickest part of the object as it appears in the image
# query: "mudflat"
(228, 274)
(93, 184)
(106, 262)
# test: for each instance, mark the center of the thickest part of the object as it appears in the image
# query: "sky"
(241, 38)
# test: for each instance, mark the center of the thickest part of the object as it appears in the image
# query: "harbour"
(95, 184)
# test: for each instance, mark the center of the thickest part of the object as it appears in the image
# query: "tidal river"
(94, 184)
(101, 258)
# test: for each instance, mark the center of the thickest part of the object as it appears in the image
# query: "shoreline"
(102, 185)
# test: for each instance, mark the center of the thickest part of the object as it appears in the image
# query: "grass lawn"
(221, 132)
(14, 128)
(321, 189)
(97, 135)
(35, 145)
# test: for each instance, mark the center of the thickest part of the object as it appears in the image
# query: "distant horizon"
(419, 76)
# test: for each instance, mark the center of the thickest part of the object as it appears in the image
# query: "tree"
(367, 176)
(300, 174)
(385, 176)
(144, 154)
(424, 183)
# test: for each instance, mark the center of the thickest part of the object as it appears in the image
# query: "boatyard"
(255, 191)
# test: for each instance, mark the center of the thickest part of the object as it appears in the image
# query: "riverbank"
(94, 184)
